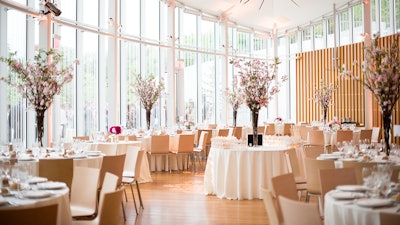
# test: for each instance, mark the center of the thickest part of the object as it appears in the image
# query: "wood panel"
(348, 99)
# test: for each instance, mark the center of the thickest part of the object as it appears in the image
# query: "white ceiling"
(286, 14)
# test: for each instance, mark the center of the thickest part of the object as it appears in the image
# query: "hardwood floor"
(179, 199)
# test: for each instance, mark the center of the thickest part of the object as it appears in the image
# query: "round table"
(58, 196)
(347, 212)
(239, 173)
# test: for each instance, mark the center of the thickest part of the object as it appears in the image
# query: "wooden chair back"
(316, 138)
(43, 215)
(344, 135)
(358, 168)
(113, 164)
(159, 144)
(313, 151)
(61, 170)
(223, 132)
(313, 166)
(299, 213)
(270, 206)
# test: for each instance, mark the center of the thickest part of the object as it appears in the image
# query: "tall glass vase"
(254, 120)
(234, 117)
(40, 125)
(325, 115)
(387, 128)
(148, 116)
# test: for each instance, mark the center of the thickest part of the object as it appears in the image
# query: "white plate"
(346, 195)
(35, 180)
(351, 188)
(76, 156)
(36, 194)
(26, 159)
(374, 202)
(51, 185)
(93, 153)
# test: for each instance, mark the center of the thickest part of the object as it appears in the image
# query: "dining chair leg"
(126, 198)
(140, 195)
(134, 200)
(123, 210)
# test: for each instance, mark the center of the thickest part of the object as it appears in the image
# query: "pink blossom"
(38, 81)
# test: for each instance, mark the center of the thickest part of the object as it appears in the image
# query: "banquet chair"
(32, 215)
(270, 207)
(113, 164)
(237, 132)
(386, 218)
(81, 138)
(344, 135)
(133, 163)
(358, 168)
(109, 210)
(366, 134)
(287, 129)
(184, 147)
(313, 151)
(330, 178)
(316, 138)
(83, 200)
(375, 134)
(295, 131)
(269, 129)
(223, 132)
(294, 168)
(159, 146)
(313, 166)
(208, 140)
(107, 148)
(61, 170)
(199, 151)
(284, 185)
(303, 130)
(299, 213)
(260, 129)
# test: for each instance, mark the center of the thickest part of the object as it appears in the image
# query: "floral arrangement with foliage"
(334, 125)
(258, 81)
(235, 99)
(41, 80)
(381, 70)
(278, 120)
(323, 95)
(148, 90)
(188, 124)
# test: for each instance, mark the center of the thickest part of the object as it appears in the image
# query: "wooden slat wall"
(348, 99)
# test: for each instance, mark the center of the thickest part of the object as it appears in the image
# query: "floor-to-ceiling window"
(141, 40)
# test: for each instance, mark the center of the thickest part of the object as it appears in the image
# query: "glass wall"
(110, 58)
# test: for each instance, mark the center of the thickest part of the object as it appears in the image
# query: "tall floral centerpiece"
(39, 81)
(258, 82)
(323, 96)
(235, 99)
(381, 69)
(148, 91)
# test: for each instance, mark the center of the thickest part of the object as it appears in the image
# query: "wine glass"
(366, 174)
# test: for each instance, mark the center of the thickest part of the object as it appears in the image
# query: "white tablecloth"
(240, 173)
(59, 197)
(344, 212)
